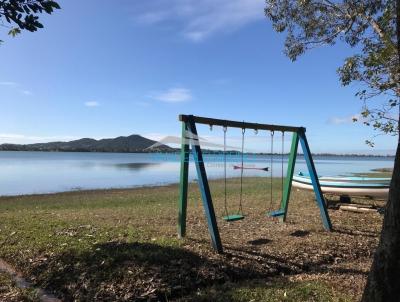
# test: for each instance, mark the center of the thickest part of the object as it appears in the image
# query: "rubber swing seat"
(276, 213)
(233, 217)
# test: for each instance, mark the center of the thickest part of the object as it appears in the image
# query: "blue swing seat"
(233, 217)
(276, 213)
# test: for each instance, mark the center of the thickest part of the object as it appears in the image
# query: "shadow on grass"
(260, 241)
(118, 271)
(281, 265)
(300, 233)
(352, 232)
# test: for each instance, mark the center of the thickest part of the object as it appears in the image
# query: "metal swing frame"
(190, 138)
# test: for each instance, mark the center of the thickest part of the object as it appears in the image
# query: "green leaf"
(14, 31)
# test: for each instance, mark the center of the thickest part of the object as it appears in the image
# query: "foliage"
(20, 15)
(368, 26)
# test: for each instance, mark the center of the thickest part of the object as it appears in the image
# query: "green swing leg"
(289, 176)
(282, 212)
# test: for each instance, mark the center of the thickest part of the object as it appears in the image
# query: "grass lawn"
(122, 245)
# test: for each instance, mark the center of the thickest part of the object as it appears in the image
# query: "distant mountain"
(133, 144)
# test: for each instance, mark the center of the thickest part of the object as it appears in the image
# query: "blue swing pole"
(315, 182)
(204, 187)
(183, 184)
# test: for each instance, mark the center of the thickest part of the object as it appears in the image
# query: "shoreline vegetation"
(121, 244)
(137, 144)
(383, 170)
(208, 152)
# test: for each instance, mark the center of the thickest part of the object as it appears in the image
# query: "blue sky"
(109, 68)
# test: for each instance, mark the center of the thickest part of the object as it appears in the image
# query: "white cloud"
(26, 92)
(16, 86)
(142, 104)
(92, 104)
(7, 83)
(13, 138)
(173, 95)
(343, 120)
(198, 20)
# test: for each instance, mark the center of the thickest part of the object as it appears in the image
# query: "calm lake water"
(47, 172)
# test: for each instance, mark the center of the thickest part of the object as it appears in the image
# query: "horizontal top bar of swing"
(237, 124)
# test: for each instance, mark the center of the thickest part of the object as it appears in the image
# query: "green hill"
(132, 144)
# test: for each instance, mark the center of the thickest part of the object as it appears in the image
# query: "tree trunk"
(384, 278)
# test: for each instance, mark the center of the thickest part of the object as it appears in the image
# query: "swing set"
(190, 139)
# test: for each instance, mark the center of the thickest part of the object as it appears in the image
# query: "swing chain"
(282, 164)
(272, 168)
(225, 190)
(283, 150)
(240, 211)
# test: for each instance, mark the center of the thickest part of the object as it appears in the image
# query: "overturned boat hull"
(348, 186)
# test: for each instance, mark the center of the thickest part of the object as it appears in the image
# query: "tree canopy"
(17, 15)
(368, 26)
(372, 29)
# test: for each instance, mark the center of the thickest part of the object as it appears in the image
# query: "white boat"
(348, 186)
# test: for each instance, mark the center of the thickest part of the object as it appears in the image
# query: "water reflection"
(44, 172)
(135, 166)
